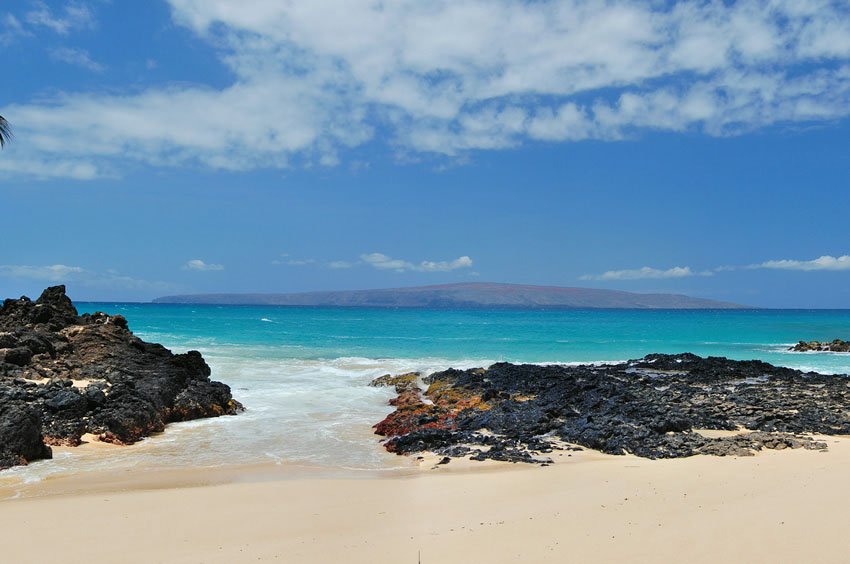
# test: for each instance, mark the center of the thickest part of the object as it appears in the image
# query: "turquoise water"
(528, 336)
(303, 373)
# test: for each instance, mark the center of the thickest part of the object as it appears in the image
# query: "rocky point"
(661, 406)
(63, 375)
(836, 345)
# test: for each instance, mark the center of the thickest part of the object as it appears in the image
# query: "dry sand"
(787, 506)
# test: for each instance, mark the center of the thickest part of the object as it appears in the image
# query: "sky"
(190, 146)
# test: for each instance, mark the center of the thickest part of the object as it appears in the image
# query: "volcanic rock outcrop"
(63, 375)
(660, 406)
(817, 346)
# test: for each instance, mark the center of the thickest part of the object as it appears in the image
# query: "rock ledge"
(655, 407)
(63, 375)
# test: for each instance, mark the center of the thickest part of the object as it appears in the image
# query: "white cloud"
(384, 262)
(56, 273)
(75, 15)
(77, 57)
(444, 266)
(267, 122)
(284, 260)
(280, 260)
(58, 168)
(10, 29)
(825, 262)
(51, 273)
(450, 76)
(645, 273)
(199, 265)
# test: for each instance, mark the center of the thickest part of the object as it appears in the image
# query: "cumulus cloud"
(384, 262)
(645, 273)
(76, 57)
(199, 265)
(825, 262)
(450, 76)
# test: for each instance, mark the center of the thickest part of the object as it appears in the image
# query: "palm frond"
(5, 132)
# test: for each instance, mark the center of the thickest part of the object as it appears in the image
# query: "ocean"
(303, 372)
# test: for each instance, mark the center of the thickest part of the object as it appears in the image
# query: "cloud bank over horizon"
(65, 274)
(311, 81)
(822, 263)
(825, 262)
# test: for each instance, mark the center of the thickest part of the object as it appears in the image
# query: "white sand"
(787, 506)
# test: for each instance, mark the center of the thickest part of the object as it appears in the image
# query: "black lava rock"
(654, 407)
(125, 389)
(20, 435)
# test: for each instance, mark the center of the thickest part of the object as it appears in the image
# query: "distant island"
(464, 295)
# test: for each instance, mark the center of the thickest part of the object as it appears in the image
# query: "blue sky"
(188, 146)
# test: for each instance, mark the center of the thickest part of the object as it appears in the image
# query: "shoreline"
(151, 477)
(775, 506)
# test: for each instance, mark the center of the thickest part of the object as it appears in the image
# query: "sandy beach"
(778, 506)
(442, 282)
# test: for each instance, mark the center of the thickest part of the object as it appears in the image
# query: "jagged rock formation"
(655, 407)
(816, 346)
(63, 375)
